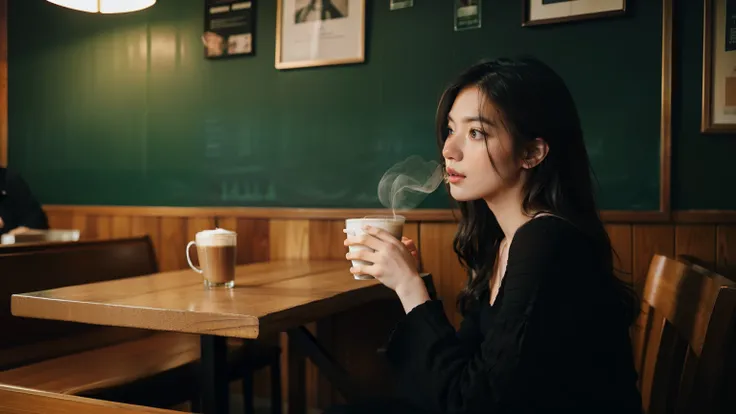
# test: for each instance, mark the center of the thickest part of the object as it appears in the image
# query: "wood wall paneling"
(697, 240)
(173, 242)
(79, 222)
(60, 220)
(253, 238)
(121, 226)
(726, 250)
(326, 240)
(150, 226)
(289, 239)
(103, 226)
(621, 236)
(650, 239)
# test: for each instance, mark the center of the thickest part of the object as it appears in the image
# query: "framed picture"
(228, 28)
(467, 14)
(719, 67)
(319, 33)
(400, 4)
(536, 12)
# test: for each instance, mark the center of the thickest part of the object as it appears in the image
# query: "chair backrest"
(41, 266)
(682, 337)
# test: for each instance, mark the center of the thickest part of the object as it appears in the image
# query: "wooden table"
(271, 296)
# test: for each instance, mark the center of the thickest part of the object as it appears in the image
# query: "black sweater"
(553, 342)
(18, 207)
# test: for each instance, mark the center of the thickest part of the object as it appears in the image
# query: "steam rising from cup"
(405, 185)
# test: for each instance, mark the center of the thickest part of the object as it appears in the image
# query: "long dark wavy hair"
(533, 102)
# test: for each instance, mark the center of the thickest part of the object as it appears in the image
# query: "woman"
(546, 321)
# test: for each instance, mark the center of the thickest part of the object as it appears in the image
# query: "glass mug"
(217, 251)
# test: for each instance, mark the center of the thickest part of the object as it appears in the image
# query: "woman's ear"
(535, 153)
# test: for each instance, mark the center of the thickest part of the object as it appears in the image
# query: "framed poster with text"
(319, 33)
(228, 28)
(718, 107)
(536, 12)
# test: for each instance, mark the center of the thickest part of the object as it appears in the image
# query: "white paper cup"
(354, 227)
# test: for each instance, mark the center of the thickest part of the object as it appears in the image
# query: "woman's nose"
(450, 151)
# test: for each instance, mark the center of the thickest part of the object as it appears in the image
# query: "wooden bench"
(118, 364)
(18, 400)
(684, 339)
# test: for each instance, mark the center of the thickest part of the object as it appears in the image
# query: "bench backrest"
(18, 400)
(41, 266)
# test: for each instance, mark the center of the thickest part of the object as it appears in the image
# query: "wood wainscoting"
(265, 234)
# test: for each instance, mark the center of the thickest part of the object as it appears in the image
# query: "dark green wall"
(704, 176)
(125, 110)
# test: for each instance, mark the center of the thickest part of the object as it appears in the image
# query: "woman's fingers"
(361, 269)
(381, 234)
(362, 254)
(363, 240)
(409, 243)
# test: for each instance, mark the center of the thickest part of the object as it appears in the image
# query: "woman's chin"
(461, 196)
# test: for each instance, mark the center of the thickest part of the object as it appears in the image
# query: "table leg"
(215, 391)
(308, 346)
(297, 387)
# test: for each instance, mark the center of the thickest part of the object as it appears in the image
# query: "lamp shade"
(105, 6)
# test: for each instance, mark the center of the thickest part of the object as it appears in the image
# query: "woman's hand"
(393, 264)
(20, 230)
(409, 243)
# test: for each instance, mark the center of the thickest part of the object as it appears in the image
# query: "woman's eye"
(477, 134)
(450, 131)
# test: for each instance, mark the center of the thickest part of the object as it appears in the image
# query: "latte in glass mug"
(217, 251)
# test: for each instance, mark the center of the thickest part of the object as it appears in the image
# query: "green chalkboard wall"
(125, 110)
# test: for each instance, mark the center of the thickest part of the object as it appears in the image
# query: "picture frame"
(539, 12)
(467, 14)
(229, 28)
(400, 4)
(718, 107)
(313, 33)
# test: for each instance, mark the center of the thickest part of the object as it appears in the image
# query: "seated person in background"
(19, 210)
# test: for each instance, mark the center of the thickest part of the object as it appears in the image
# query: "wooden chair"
(119, 364)
(18, 400)
(684, 338)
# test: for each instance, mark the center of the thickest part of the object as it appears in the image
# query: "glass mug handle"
(189, 259)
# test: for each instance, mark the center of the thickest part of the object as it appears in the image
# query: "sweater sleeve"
(432, 364)
(469, 334)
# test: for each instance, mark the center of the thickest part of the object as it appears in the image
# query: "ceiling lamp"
(105, 6)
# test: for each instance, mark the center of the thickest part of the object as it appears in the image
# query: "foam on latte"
(216, 237)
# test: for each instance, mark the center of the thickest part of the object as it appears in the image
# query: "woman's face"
(476, 136)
